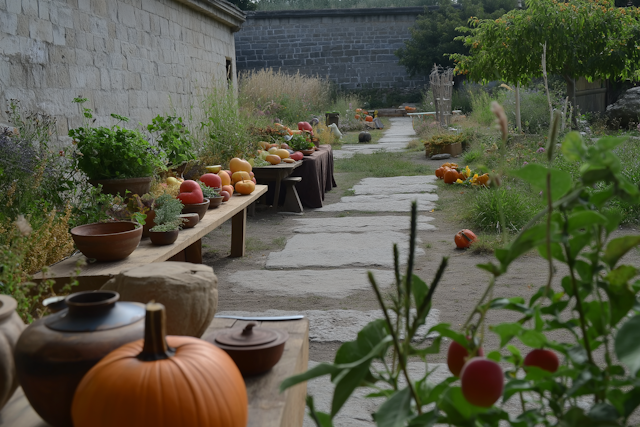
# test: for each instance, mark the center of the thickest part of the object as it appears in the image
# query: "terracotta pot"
(215, 202)
(11, 327)
(199, 208)
(162, 238)
(119, 187)
(107, 241)
(190, 220)
(148, 223)
(55, 352)
(254, 349)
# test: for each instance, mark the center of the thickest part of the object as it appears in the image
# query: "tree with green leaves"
(590, 38)
(434, 35)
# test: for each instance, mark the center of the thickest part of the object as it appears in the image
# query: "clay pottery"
(119, 187)
(11, 327)
(199, 208)
(307, 152)
(55, 352)
(149, 223)
(254, 349)
(215, 202)
(190, 220)
(162, 238)
(107, 241)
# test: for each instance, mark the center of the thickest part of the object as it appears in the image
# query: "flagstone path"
(395, 139)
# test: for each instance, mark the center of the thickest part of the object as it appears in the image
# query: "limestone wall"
(129, 57)
(353, 47)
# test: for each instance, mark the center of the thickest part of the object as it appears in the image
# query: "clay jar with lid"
(254, 349)
(55, 352)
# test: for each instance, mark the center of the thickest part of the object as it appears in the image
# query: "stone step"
(361, 224)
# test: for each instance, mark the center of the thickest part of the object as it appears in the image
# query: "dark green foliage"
(433, 35)
(174, 138)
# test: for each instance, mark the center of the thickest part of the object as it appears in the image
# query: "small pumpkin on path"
(464, 238)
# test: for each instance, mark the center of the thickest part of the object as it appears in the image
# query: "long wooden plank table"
(188, 247)
(267, 406)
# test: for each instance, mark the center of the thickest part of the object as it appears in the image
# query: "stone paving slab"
(341, 250)
(401, 184)
(337, 325)
(325, 283)
(360, 224)
(387, 203)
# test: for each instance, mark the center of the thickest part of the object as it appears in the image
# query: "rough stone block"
(99, 26)
(8, 23)
(30, 7)
(14, 6)
(59, 35)
(40, 29)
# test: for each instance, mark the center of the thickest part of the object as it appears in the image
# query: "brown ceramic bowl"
(308, 152)
(190, 220)
(162, 238)
(107, 241)
(215, 202)
(199, 208)
(254, 349)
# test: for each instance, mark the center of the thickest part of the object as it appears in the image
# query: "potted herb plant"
(300, 143)
(167, 219)
(444, 143)
(119, 159)
(211, 193)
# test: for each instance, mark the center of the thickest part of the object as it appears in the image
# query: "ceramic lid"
(250, 336)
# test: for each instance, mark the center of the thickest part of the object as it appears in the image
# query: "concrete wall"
(126, 56)
(353, 47)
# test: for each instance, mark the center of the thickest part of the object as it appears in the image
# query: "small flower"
(459, 181)
(540, 150)
(525, 163)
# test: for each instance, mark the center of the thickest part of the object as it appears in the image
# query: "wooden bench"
(267, 406)
(188, 247)
(292, 201)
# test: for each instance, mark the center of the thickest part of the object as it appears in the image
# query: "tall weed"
(481, 105)
(518, 207)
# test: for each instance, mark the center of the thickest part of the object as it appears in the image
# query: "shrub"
(534, 110)
(518, 209)
(481, 105)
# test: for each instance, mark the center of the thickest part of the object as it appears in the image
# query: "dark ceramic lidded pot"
(254, 349)
(55, 352)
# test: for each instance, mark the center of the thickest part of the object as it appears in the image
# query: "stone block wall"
(136, 58)
(353, 47)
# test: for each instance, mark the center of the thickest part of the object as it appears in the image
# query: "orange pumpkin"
(162, 381)
(483, 180)
(357, 116)
(240, 176)
(245, 187)
(464, 238)
(451, 176)
(440, 173)
(368, 118)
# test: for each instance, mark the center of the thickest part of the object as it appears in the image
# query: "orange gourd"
(245, 187)
(464, 238)
(273, 159)
(483, 180)
(368, 118)
(451, 176)
(162, 382)
(357, 116)
(236, 165)
(440, 173)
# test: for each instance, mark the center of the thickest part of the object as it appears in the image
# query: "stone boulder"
(188, 291)
(627, 108)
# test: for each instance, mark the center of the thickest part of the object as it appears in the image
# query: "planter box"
(454, 149)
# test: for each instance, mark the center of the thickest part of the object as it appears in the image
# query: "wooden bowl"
(215, 202)
(107, 241)
(199, 208)
(190, 220)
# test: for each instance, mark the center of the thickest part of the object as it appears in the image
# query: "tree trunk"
(518, 119)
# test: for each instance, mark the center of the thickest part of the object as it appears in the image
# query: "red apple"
(211, 180)
(226, 196)
(190, 193)
(482, 382)
(543, 359)
(457, 356)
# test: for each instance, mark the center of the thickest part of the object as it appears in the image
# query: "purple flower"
(540, 150)
(525, 163)
(540, 193)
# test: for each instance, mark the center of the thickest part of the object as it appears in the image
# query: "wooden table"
(188, 247)
(267, 406)
(275, 173)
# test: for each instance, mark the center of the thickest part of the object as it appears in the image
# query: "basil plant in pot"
(119, 159)
(167, 220)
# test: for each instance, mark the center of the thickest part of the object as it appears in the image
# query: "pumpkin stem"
(155, 330)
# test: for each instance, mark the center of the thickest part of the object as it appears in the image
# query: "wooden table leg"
(276, 197)
(238, 233)
(193, 252)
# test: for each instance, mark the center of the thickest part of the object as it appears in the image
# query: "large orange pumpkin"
(451, 176)
(177, 381)
(368, 118)
(483, 180)
(440, 173)
(464, 238)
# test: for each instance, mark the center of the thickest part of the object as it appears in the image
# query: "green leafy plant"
(595, 306)
(167, 211)
(299, 142)
(174, 138)
(115, 152)
(208, 191)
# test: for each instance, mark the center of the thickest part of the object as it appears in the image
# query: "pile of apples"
(278, 153)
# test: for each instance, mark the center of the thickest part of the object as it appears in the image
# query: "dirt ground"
(462, 286)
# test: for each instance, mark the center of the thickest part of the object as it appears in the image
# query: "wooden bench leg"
(193, 252)
(238, 233)
(292, 201)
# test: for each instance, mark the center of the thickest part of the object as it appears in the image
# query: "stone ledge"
(220, 10)
(318, 13)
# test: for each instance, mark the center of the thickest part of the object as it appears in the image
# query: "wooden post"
(518, 118)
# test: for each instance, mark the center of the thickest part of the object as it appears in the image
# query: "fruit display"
(451, 173)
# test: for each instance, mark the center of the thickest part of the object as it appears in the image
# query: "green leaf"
(420, 290)
(604, 412)
(573, 148)
(513, 387)
(494, 355)
(618, 247)
(532, 338)
(444, 330)
(428, 419)
(395, 411)
(316, 371)
(585, 219)
(437, 391)
(506, 331)
(627, 344)
(346, 384)
(621, 275)
(578, 355)
(536, 175)
(491, 268)
(457, 408)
